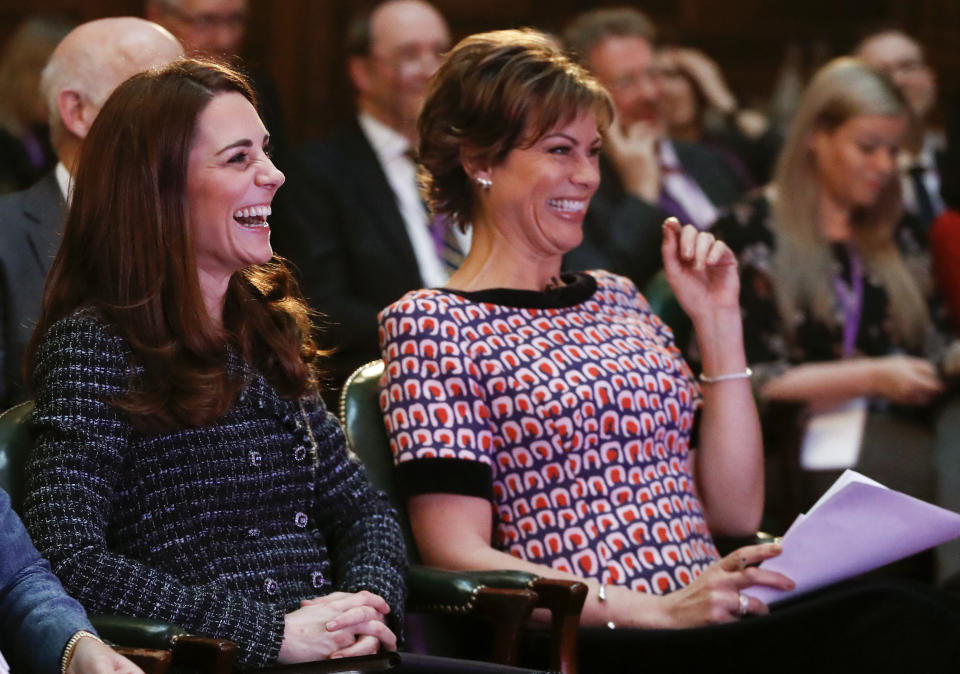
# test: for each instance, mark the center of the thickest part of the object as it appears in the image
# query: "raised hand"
(633, 152)
(336, 625)
(701, 270)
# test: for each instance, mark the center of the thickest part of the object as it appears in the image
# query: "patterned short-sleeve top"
(571, 410)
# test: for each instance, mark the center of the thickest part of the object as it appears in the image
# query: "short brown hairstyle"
(587, 30)
(494, 92)
(128, 252)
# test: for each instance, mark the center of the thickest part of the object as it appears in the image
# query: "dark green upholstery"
(665, 305)
(503, 594)
(189, 652)
(15, 443)
(367, 439)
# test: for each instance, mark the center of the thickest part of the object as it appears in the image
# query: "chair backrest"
(367, 438)
(16, 439)
(665, 305)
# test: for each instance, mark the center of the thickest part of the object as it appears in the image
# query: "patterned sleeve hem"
(446, 476)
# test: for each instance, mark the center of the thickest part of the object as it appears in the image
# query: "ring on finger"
(744, 606)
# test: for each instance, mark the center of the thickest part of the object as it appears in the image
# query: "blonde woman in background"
(834, 290)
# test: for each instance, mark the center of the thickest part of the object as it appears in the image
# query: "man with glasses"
(84, 69)
(216, 29)
(362, 235)
(902, 59)
(645, 176)
(205, 27)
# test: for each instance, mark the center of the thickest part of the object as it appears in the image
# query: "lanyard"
(851, 301)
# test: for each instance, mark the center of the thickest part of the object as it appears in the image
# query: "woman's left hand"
(701, 270)
(93, 657)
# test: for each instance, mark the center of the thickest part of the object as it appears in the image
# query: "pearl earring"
(484, 183)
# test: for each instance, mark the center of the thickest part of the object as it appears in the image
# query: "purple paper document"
(856, 526)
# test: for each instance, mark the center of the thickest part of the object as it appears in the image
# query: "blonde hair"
(843, 89)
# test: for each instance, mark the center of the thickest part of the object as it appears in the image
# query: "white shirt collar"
(65, 181)
(386, 142)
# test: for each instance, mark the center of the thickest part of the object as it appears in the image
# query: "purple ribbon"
(851, 301)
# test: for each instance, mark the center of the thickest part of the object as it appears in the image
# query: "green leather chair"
(152, 644)
(498, 596)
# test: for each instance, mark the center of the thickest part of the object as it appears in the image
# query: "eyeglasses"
(412, 60)
(209, 21)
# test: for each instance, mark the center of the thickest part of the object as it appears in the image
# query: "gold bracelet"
(746, 374)
(71, 647)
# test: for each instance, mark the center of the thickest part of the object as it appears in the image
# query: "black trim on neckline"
(578, 288)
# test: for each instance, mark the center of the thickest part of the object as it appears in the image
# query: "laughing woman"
(547, 422)
(185, 468)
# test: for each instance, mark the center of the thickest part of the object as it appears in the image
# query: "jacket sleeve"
(364, 538)
(37, 618)
(73, 477)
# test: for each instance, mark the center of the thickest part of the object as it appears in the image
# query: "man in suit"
(645, 176)
(901, 57)
(83, 71)
(361, 236)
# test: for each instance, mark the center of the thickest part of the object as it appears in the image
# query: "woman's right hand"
(714, 597)
(906, 380)
(339, 624)
(633, 152)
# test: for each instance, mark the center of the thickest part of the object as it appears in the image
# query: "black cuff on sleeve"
(446, 476)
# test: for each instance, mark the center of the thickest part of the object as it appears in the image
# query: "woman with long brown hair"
(186, 468)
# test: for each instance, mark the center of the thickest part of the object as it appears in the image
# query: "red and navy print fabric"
(583, 414)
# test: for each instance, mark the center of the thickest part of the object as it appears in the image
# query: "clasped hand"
(340, 624)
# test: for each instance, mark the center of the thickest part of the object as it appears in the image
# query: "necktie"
(924, 204)
(445, 241)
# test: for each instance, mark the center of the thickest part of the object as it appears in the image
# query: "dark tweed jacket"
(221, 529)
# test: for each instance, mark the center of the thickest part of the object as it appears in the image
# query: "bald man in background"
(82, 72)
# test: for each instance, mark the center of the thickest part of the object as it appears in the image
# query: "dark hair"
(128, 252)
(590, 28)
(494, 92)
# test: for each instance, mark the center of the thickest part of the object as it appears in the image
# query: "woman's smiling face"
(859, 158)
(230, 184)
(541, 193)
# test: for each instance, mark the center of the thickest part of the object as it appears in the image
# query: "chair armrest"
(434, 590)
(468, 593)
(490, 593)
(150, 660)
(378, 662)
(136, 632)
(564, 599)
(206, 654)
(216, 656)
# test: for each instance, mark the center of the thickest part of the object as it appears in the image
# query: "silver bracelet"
(746, 374)
(602, 598)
